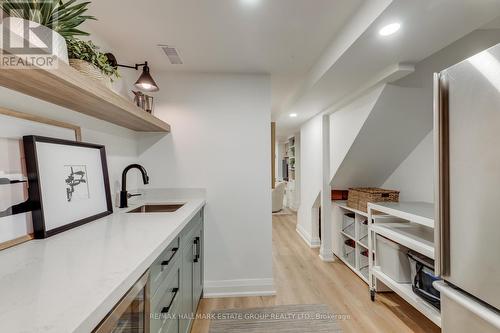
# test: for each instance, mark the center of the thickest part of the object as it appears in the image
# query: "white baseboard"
(312, 243)
(238, 288)
(326, 255)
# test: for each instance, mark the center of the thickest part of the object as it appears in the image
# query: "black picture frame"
(35, 193)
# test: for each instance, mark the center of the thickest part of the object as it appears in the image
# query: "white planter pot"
(44, 37)
(91, 71)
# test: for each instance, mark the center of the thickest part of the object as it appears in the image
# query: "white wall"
(415, 176)
(311, 178)
(345, 125)
(121, 144)
(220, 141)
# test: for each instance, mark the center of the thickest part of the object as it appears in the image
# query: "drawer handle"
(166, 262)
(196, 249)
(167, 308)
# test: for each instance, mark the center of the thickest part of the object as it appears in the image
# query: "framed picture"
(68, 183)
(16, 225)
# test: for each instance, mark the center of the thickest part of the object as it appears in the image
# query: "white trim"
(312, 243)
(413, 211)
(470, 304)
(326, 255)
(405, 291)
(239, 288)
(389, 74)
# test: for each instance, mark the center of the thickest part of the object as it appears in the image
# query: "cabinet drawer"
(169, 322)
(167, 289)
(171, 325)
(163, 264)
(166, 299)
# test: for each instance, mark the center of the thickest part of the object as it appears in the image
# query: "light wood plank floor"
(302, 278)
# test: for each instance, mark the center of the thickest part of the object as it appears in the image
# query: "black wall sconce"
(145, 81)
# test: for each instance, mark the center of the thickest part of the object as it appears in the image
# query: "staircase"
(381, 131)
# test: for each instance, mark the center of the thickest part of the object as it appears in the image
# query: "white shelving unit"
(405, 292)
(410, 224)
(412, 235)
(291, 190)
(356, 258)
(418, 212)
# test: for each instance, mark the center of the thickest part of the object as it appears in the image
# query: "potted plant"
(55, 21)
(85, 57)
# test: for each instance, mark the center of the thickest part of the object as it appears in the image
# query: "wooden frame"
(35, 191)
(41, 120)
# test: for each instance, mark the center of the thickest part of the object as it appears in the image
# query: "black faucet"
(124, 195)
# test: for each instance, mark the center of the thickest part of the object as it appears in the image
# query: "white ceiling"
(292, 40)
(278, 37)
(427, 27)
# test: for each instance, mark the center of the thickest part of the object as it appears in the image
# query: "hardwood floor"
(302, 278)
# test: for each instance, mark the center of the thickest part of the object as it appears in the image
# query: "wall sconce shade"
(145, 81)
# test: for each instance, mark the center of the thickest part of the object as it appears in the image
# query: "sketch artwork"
(76, 182)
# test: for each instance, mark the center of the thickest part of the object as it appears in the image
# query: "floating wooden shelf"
(68, 88)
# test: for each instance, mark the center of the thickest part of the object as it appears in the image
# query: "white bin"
(348, 220)
(393, 260)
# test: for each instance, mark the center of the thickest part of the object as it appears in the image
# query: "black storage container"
(422, 273)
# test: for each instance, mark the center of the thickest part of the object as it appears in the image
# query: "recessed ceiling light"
(390, 29)
(293, 115)
(250, 2)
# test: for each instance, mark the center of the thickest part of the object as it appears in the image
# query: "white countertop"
(69, 282)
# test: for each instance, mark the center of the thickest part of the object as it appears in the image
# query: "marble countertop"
(69, 282)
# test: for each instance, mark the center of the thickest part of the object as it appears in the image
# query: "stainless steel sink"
(159, 208)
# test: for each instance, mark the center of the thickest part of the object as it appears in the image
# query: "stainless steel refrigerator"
(467, 141)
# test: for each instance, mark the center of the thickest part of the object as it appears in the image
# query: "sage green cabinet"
(191, 278)
(186, 289)
(177, 281)
(198, 267)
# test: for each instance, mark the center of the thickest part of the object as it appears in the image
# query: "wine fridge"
(131, 314)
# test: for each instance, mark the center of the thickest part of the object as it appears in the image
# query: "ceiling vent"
(172, 54)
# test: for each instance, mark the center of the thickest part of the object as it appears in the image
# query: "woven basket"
(360, 197)
(91, 71)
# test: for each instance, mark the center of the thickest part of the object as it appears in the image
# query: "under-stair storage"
(363, 262)
(407, 226)
(352, 238)
(349, 226)
(392, 258)
(349, 252)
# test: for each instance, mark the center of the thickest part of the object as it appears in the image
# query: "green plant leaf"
(59, 15)
(88, 51)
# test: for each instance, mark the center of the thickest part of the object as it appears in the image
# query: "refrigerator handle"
(441, 171)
